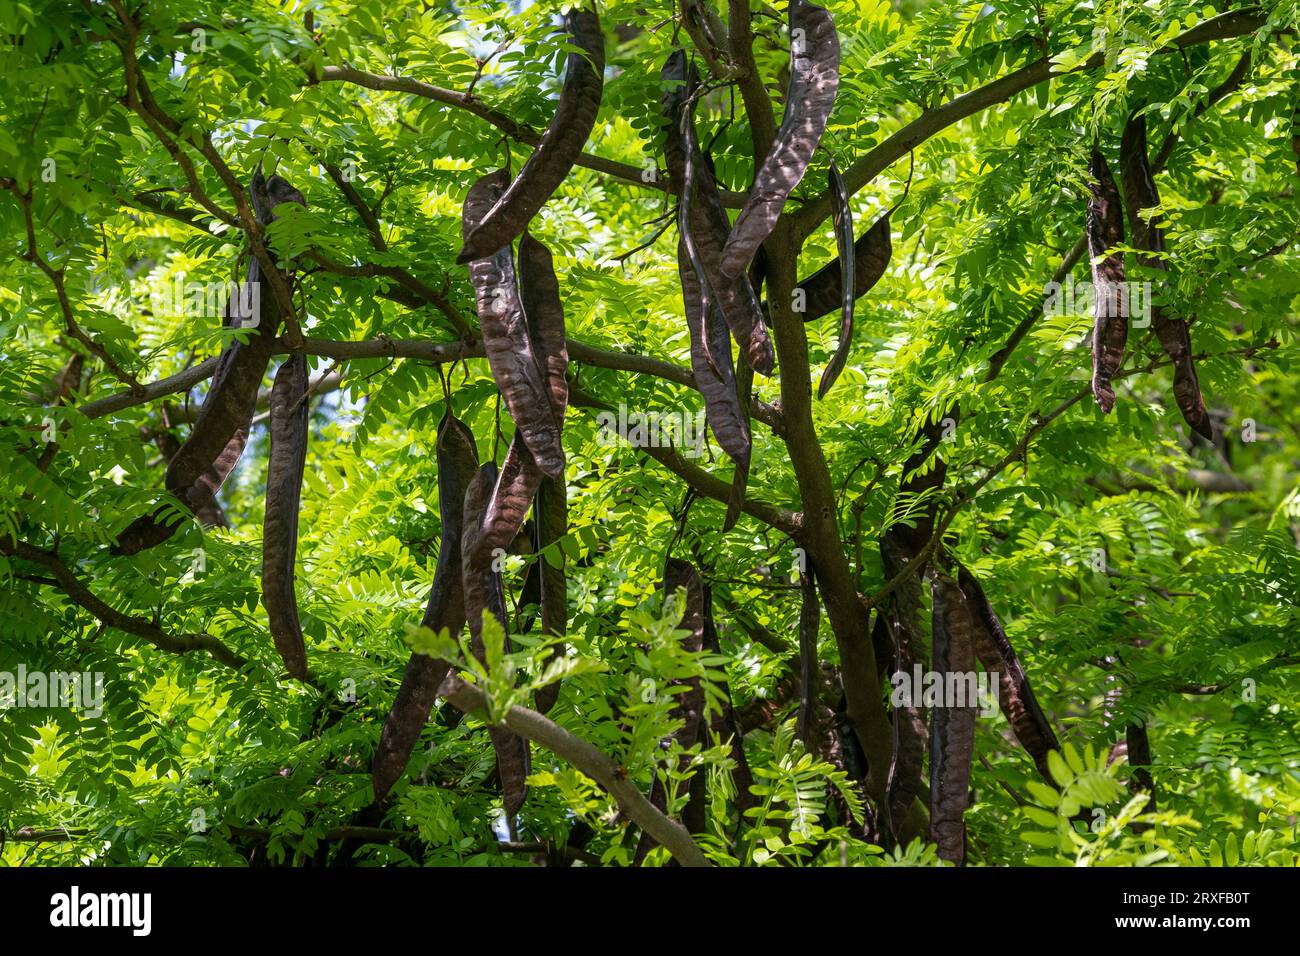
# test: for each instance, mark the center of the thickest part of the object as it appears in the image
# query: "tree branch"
(72, 586)
(517, 131)
(592, 762)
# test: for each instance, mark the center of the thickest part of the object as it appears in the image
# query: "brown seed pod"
(952, 729)
(704, 225)
(539, 293)
(898, 626)
(823, 291)
(718, 386)
(285, 463)
(1015, 695)
(560, 146)
(1110, 308)
(507, 342)
(689, 708)
(1175, 338)
(543, 313)
(205, 459)
(485, 592)
(457, 464)
(842, 218)
(814, 81)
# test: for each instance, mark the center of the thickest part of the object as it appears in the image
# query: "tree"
(739, 625)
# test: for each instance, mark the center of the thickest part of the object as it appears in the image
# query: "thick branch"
(517, 131)
(140, 627)
(696, 477)
(591, 761)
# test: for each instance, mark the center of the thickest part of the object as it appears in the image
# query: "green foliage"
(1144, 576)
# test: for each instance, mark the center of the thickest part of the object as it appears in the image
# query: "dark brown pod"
(842, 218)
(507, 342)
(457, 464)
(814, 81)
(1110, 298)
(899, 626)
(484, 591)
(823, 291)
(717, 385)
(560, 146)
(285, 463)
(543, 313)
(952, 729)
(1015, 694)
(1175, 338)
(704, 225)
(206, 458)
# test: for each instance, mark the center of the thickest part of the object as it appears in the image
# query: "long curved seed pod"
(734, 298)
(685, 220)
(809, 617)
(690, 705)
(1175, 338)
(208, 455)
(823, 291)
(952, 728)
(285, 463)
(560, 146)
(508, 505)
(718, 386)
(543, 314)
(539, 293)
(1015, 695)
(814, 81)
(457, 464)
(506, 340)
(902, 622)
(485, 592)
(1110, 299)
(842, 218)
